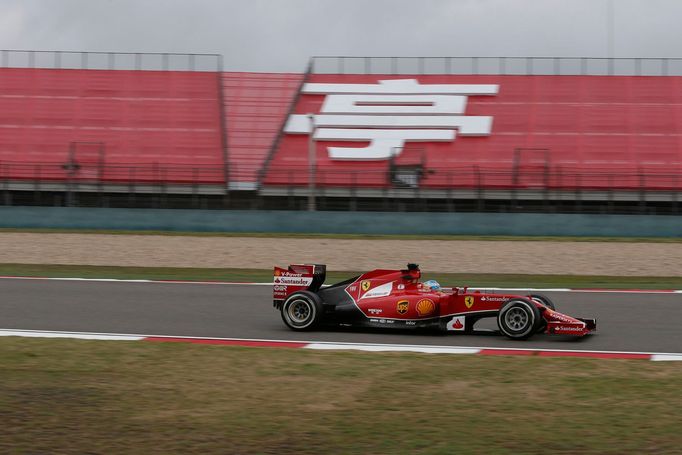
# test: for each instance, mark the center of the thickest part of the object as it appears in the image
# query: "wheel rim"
(299, 312)
(516, 319)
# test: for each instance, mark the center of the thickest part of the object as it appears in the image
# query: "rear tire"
(519, 319)
(302, 311)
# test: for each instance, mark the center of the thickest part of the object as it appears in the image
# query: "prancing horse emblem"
(469, 301)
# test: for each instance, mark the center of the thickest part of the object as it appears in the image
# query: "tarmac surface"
(633, 322)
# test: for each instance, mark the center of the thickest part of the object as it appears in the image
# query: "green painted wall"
(342, 222)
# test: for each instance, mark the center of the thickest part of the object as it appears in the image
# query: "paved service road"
(625, 321)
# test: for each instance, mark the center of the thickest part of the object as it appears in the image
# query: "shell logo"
(425, 307)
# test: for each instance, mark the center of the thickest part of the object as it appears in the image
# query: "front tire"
(543, 300)
(518, 319)
(302, 311)
(546, 302)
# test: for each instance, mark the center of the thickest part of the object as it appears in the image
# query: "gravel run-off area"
(456, 256)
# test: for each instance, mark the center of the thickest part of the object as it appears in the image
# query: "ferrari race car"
(397, 299)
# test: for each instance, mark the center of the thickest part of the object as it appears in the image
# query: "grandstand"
(536, 134)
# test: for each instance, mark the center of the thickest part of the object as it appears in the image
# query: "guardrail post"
(480, 202)
(354, 197)
(642, 190)
(448, 195)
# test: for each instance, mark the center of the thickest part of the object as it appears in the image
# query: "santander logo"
(456, 323)
(389, 114)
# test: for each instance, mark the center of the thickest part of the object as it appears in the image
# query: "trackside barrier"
(342, 222)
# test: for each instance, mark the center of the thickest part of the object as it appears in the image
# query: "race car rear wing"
(296, 277)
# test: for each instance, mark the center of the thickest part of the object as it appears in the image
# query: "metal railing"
(555, 66)
(153, 61)
(37, 176)
(475, 177)
(468, 188)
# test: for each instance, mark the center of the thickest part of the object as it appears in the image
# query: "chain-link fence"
(555, 66)
(152, 61)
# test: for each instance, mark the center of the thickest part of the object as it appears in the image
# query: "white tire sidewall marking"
(530, 325)
(311, 306)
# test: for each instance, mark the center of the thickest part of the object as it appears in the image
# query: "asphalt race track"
(637, 322)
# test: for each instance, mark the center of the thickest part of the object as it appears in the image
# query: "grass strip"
(500, 238)
(256, 275)
(77, 396)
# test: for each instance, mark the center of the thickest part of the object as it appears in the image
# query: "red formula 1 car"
(397, 299)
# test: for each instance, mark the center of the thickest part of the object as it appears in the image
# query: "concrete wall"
(342, 222)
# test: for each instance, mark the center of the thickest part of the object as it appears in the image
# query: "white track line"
(393, 348)
(237, 283)
(77, 335)
(118, 280)
(666, 357)
(324, 345)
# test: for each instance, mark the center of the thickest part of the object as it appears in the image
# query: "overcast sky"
(280, 35)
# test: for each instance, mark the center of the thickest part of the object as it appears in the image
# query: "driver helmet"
(431, 285)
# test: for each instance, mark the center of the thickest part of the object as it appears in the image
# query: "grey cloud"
(280, 35)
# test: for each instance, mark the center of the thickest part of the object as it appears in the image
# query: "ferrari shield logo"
(469, 301)
(365, 285)
(403, 305)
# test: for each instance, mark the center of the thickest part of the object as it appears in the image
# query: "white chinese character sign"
(389, 114)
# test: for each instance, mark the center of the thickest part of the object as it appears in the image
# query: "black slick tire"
(544, 300)
(519, 319)
(302, 311)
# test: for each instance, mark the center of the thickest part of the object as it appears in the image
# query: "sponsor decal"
(277, 272)
(469, 301)
(292, 274)
(569, 328)
(425, 307)
(375, 310)
(401, 287)
(493, 299)
(280, 288)
(365, 285)
(295, 281)
(353, 288)
(379, 291)
(559, 317)
(456, 323)
(410, 322)
(389, 114)
(402, 306)
(382, 321)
